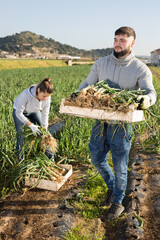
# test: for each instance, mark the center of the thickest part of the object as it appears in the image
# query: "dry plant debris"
(101, 96)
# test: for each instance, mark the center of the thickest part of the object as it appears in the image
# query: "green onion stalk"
(35, 163)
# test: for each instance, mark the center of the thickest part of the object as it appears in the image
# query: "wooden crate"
(131, 116)
(48, 184)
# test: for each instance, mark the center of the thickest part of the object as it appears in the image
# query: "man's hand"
(75, 94)
(144, 102)
(35, 129)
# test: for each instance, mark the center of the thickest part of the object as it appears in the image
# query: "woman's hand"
(35, 129)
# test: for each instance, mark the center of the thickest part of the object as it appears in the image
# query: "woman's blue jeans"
(35, 118)
(117, 139)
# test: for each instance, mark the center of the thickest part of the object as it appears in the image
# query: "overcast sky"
(85, 24)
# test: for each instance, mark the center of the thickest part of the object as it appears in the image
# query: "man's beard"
(122, 53)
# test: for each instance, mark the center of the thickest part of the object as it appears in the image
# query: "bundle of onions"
(101, 96)
(35, 163)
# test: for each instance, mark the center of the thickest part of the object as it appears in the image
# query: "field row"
(74, 137)
(28, 63)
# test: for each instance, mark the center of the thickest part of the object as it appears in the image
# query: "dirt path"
(150, 205)
(39, 214)
(146, 196)
(142, 202)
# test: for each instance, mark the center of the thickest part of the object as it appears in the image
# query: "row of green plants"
(74, 136)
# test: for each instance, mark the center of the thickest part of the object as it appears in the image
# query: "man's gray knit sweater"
(127, 73)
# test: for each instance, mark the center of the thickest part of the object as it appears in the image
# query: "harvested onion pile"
(35, 163)
(101, 96)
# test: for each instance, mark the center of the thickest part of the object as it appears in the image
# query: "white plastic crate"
(131, 116)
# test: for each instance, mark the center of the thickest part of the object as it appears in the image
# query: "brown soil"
(39, 214)
(36, 214)
(150, 205)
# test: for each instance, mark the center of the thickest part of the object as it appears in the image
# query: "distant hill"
(29, 42)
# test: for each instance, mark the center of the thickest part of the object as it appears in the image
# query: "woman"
(32, 107)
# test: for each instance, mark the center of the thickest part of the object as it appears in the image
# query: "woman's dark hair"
(126, 30)
(45, 86)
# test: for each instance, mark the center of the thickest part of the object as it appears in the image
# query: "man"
(123, 70)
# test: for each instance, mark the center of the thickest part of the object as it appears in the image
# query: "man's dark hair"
(126, 30)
